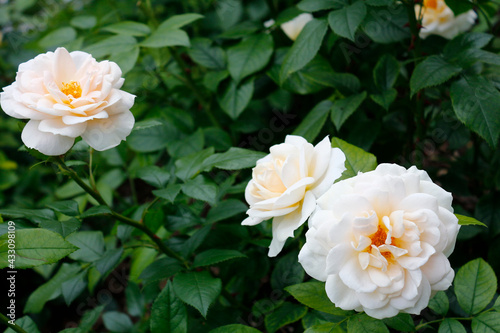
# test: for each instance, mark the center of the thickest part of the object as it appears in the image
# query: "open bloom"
(293, 27)
(66, 95)
(286, 183)
(381, 240)
(438, 19)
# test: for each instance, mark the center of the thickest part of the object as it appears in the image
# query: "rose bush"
(66, 95)
(381, 240)
(286, 183)
(439, 19)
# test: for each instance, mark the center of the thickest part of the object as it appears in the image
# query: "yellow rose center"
(431, 4)
(72, 88)
(378, 239)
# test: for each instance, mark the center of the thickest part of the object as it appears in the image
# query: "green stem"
(16, 328)
(136, 224)
(438, 321)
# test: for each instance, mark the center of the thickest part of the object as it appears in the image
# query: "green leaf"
(67, 207)
(127, 59)
(313, 295)
(226, 209)
(190, 165)
(154, 175)
(64, 228)
(467, 220)
(403, 322)
(178, 21)
(90, 318)
(249, 56)
(356, 159)
(198, 289)
(475, 101)
(459, 6)
(211, 81)
(488, 322)
(214, 256)
(161, 269)
(344, 108)
(385, 98)
(111, 45)
(315, 5)
(90, 244)
(151, 135)
(325, 328)
(449, 325)
(304, 49)
(96, 211)
(463, 42)
(386, 72)
(243, 29)
(475, 285)
(109, 260)
(288, 271)
(440, 303)
(84, 21)
(34, 247)
(117, 322)
(312, 124)
(201, 188)
(344, 22)
(50, 289)
(161, 38)
(34, 215)
(129, 28)
(236, 98)
(235, 328)
(286, 314)
(73, 287)
(168, 314)
(362, 323)
(135, 300)
(169, 193)
(431, 72)
(58, 37)
(25, 323)
(233, 159)
(203, 53)
(394, 27)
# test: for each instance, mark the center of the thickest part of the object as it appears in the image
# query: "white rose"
(381, 240)
(66, 95)
(286, 183)
(438, 19)
(293, 27)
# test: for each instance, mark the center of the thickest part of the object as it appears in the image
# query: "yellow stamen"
(431, 4)
(72, 88)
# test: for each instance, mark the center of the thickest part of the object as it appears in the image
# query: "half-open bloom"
(438, 19)
(293, 27)
(381, 241)
(286, 183)
(66, 95)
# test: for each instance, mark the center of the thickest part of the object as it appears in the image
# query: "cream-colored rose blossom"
(286, 183)
(381, 241)
(293, 27)
(66, 95)
(438, 19)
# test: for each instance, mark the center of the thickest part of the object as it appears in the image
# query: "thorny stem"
(136, 224)
(14, 327)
